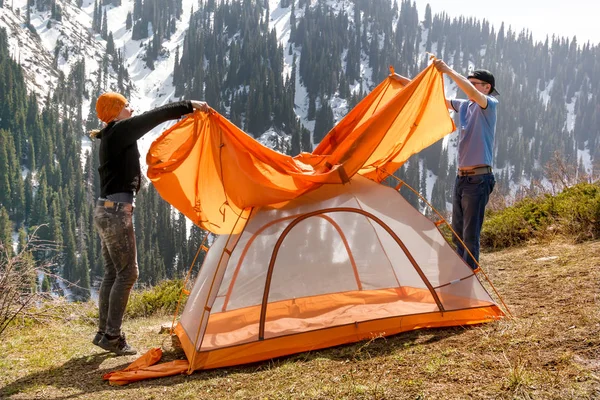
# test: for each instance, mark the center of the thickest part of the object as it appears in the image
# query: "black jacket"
(119, 156)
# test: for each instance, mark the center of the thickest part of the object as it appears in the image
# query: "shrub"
(18, 287)
(574, 212)
(161, 298)
(578, 211)
(515, 224)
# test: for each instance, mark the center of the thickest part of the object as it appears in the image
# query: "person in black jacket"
(120, 179)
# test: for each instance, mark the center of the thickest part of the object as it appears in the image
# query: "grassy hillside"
(550, 350)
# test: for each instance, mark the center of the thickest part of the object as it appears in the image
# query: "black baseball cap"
(485, 76)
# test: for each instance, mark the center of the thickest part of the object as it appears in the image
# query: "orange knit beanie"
(109, 106)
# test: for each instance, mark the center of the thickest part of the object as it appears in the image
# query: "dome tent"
(339, 265)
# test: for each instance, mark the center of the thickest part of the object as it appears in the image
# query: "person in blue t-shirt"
(475, 179)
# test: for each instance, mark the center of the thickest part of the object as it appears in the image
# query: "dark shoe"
(117, 345)
(97, 338)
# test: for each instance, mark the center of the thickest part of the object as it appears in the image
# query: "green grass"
(550, 350)
(160, 299)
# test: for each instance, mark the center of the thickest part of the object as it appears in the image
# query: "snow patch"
(545, 94)
(570, 123)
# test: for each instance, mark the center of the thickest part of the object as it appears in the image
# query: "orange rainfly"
(214, 173)
(313, 251)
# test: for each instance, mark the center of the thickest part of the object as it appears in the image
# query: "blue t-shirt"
(476, 132)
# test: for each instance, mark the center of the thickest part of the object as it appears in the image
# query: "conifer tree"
(69, 253)
(22, 240)
(5, 178)
(104, 29)
(39, 213)
(46, 285)
(110, 44)
(438, 197)
(28, 197)
(324, 122)
(6, 243)
(96, 20)
(83, 273)
(55, 228)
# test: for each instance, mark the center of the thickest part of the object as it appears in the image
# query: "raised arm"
(463, 83)
(131, 129)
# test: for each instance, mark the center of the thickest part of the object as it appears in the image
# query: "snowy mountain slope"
(151, 88)
(56, 45)
(28, 49)
(75, 40)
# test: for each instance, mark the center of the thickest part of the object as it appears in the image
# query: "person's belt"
(113, 205)
(121, 197)
(475, 171)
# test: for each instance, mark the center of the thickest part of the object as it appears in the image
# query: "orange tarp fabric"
(144, 368)
(214, 173)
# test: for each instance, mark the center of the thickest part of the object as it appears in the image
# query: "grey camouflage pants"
(115, 227)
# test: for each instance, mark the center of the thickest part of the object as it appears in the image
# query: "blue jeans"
(471, 194)
(120, 265)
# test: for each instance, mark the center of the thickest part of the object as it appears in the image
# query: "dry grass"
(550, 350)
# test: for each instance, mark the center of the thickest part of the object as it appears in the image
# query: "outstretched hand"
(200, 105)
(441, 66)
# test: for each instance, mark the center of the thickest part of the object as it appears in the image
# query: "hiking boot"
(97, 338)
(117, 345)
